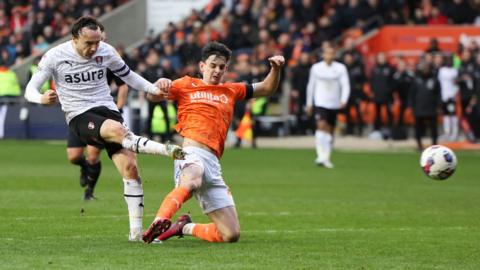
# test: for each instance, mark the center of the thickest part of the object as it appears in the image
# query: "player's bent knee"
(74, 155)
(74, 159)
(112, 131)
(231, 236)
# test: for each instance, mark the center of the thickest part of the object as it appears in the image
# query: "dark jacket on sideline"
(425, 95)
(381, 83)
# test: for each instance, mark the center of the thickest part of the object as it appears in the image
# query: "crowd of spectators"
(255, 30)
(298, 29)
(441, 83)
(30, 26)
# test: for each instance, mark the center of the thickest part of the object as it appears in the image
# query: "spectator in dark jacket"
(382, 88)
(402, 79)
(357, 80)
(476, 99)
(349, 47)
(466, 85)
(189, 51)
(299, 75)
(433, 47)
(425, 101)
(459, 11)
(152, 72)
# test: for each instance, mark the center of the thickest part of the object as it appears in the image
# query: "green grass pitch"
(373, 211)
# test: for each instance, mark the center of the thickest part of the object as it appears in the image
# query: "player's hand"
(343, 106)
(163, 85)
(276, 61)
(175, 151)
(309, 110)
(49, 97)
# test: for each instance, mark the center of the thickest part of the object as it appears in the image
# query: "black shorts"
(74, 141)
(86, 127)
(449, 107)
(328, 115)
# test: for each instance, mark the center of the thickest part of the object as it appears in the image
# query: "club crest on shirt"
(99, 59)
(91, 125)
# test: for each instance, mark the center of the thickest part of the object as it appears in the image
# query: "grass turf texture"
(373, 211)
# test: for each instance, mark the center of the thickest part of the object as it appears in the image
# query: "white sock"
(133, 194)
(188, 229)
(454, 127)
(319, 135)
(3, 115)
(446, 125)
(327, 145)
(143, 145)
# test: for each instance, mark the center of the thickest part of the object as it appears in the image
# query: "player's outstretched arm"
(138, 82)
(33, 95)
(270, 84)
(164, 85)
(130, 77)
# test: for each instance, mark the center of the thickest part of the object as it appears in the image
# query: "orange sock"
(207, 232)
(173, 202)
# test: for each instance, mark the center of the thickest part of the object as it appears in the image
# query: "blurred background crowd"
(390, 96)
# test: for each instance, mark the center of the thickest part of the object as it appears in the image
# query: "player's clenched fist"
(49, 97)
(164, 85)
(276, 61)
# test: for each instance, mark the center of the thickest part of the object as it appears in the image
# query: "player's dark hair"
(216, 48)
(86, 21)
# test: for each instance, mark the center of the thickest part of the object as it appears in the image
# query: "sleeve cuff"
(249, 91)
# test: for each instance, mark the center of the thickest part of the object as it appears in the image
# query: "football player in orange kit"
(205, 109)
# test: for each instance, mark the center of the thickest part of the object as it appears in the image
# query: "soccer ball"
(438, 162)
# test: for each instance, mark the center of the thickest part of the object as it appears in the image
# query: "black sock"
(82, 162)
(94, 171)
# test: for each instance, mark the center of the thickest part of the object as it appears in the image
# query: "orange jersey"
(205, 111)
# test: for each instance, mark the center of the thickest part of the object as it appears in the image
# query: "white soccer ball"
(438, 162)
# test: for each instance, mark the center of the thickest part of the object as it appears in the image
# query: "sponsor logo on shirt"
(85, 76)
(200, 96)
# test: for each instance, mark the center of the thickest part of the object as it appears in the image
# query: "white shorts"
(214, 193)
